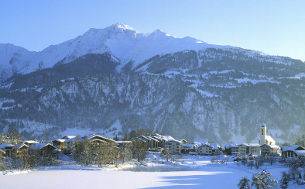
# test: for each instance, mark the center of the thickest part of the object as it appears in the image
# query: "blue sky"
(275, 27)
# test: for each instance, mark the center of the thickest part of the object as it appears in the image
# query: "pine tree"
(244, 183)
(263, 180)
(285, 180)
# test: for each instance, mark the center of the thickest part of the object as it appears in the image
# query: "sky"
(275, 27)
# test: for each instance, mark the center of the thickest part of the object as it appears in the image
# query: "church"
(265, 139)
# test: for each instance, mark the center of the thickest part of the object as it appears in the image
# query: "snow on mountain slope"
(122, 42)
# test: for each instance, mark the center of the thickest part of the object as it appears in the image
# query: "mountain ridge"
(172, 85)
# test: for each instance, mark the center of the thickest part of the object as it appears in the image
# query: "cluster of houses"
(265, 147)
(19, 150)
(64, 144)
(164, 144)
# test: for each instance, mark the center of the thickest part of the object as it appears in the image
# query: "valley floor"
(188, 172)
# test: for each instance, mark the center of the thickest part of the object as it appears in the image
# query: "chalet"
(247, 149)
(45, 149)
(264, 138)
(7, 147)
(205, 149)
(65, 143)
(151, 142)
(231, 149)
(60, 144)
(268, 149)
(99, 138)
(173, 146)
(20, 150)
(293, 151)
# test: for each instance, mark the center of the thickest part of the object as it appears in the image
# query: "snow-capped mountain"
(183, 87)
(121, 41)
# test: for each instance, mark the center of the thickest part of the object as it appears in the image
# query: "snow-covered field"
(187, 172)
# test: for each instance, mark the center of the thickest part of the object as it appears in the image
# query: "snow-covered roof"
(228, 146)
(100, 137)
(68, 137)
(300, 152)
(39, 146)
(292, 148)
(250, 144)
(30, 142)
(269, 139)
(215, 146)
(167, 137)
(97, 140)
(6, 145)
(200, 141)
(59, 140)
(17, 146)
(172, 141)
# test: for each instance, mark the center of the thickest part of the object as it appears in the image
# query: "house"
(173, 147)
(231, 149)
(100, 138)
(293, 151)
(247, 149)
(61, 144)
(267, 150)
(30, 142)
(264, 138)
(7, 147)
(186, 148)
(205, 149)
(216, 149)
(46, 149)
(20, 150)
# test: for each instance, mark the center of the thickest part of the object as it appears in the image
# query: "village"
(102, 150)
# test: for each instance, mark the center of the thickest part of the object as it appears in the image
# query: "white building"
(173, 147)
(264, 138)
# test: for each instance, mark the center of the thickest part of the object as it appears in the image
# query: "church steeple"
(263, 134)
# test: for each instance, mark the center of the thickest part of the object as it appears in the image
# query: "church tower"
(263, 134)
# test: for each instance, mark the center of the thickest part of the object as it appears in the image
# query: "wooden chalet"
(7, 148)
(46, 149)
(20, 150)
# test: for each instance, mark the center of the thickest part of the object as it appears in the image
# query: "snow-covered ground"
(186, 172)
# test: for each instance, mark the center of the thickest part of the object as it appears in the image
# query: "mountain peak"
(120, 26)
